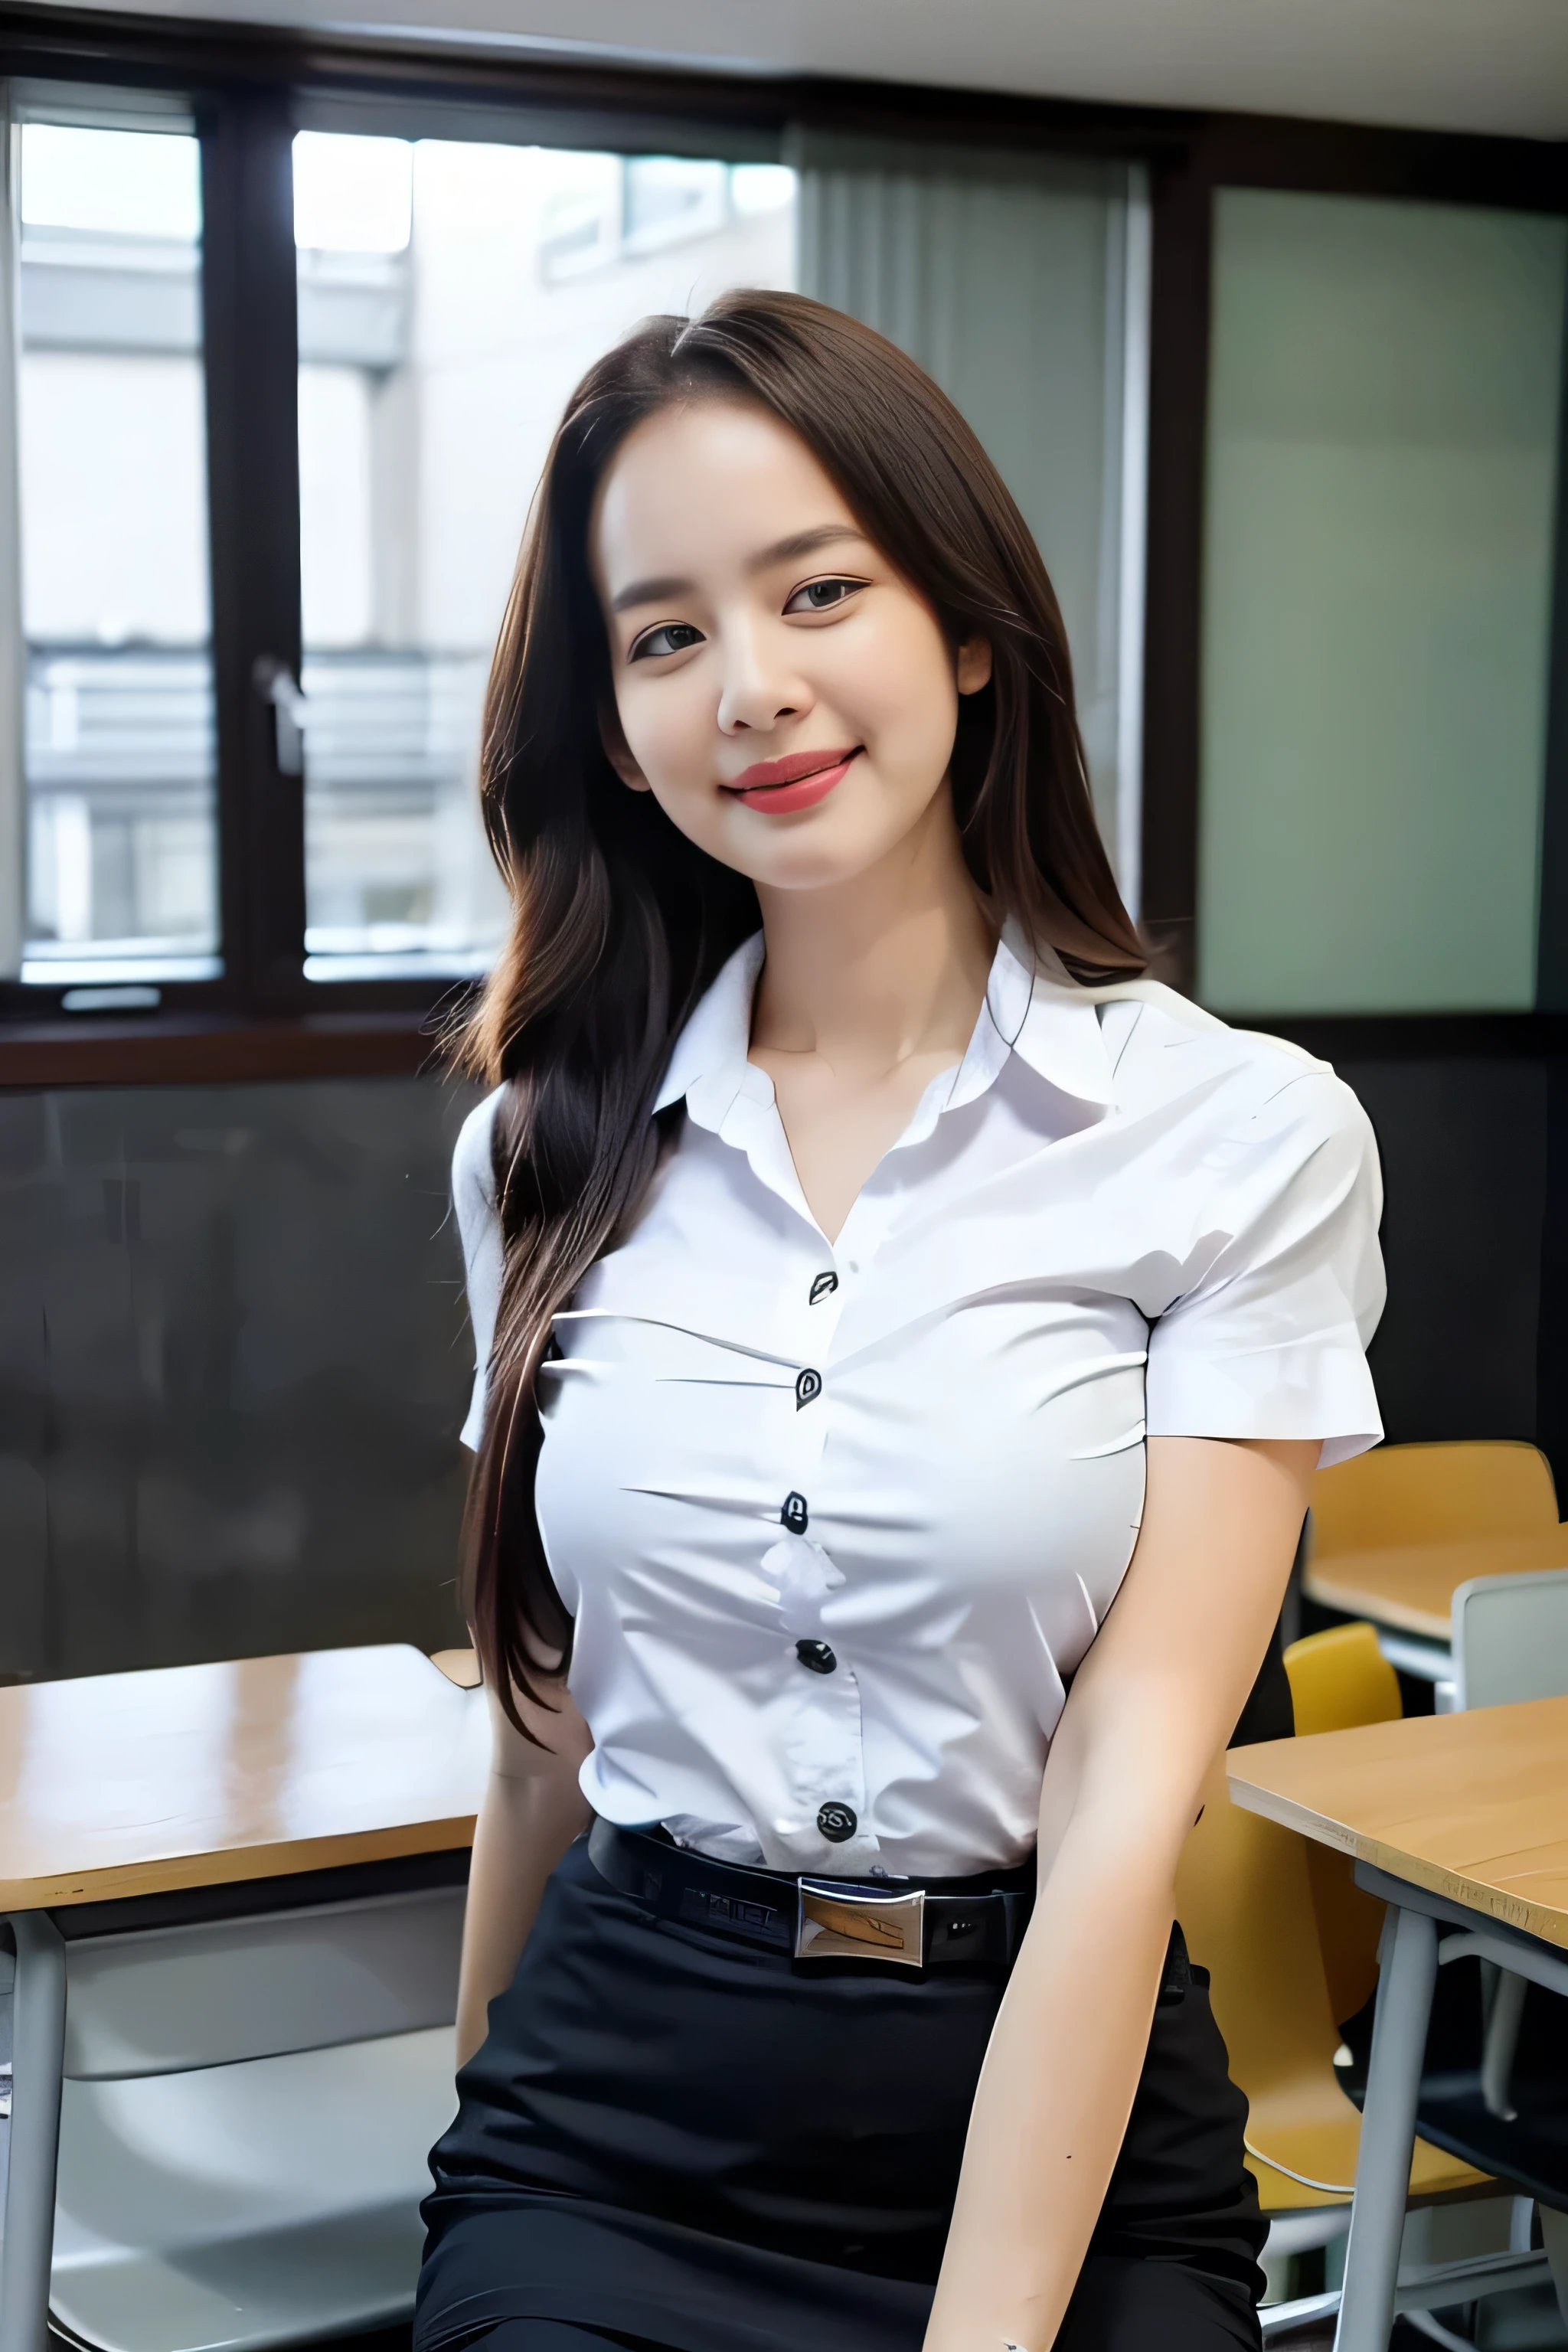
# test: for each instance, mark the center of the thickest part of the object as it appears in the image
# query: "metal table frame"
(1411, 1953)
(38, 2063)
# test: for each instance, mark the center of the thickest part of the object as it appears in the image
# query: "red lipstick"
(796, 782)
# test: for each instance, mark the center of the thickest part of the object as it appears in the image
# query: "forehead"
(703, 486)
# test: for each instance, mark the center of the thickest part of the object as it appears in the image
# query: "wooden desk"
(1458, 1820)
(1411, 1587)
(191, 1776)
(1473, 1806)
(120, 1787)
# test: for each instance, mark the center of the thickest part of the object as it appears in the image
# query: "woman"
(865, 1303)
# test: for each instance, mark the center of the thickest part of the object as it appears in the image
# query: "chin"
(817, 868)
(813, 849)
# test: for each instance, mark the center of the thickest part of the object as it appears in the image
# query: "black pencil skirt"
(670, 2140)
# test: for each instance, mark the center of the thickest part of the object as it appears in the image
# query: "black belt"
(943, 1923)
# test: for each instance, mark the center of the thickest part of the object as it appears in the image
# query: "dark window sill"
(207, 1049)
(216, 1049)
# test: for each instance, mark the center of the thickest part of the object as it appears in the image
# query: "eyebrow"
(783, 550)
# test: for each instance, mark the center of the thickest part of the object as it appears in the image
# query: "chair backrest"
(167, 1999)
(1340, 1679)
(1510, 1638)
(1253, 1898)
(1431, 1494)
(1244, 1899)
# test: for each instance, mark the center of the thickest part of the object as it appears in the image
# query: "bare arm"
(1153, 1703)
(531, 1810)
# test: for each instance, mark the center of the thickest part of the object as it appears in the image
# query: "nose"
(760, 686)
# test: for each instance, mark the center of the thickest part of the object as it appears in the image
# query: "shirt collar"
(1032, 1009)
(1057, 1030)
(709, 1065)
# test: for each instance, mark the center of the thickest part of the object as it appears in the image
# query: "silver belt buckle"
(837, 1923)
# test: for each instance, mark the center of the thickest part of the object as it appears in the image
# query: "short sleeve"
(1270, 1339)
(478, 1225)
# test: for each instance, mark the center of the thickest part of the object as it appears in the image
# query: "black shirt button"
(794, 1515)
(817, 1656)
(837, 1822)
(808, 1388)
(824, 1284)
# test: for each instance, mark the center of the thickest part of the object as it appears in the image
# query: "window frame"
(247, 97)
(249, 90)
(1323, 159)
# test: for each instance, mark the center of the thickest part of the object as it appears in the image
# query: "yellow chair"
(1397, 1531)
(1339, 1679)
(1248, 1903)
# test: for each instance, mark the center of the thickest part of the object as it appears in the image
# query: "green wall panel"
(1384, 397)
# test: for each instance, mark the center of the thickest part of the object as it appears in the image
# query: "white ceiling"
(1456, 65)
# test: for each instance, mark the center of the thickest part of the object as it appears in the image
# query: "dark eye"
(669, 637)
(821, 595)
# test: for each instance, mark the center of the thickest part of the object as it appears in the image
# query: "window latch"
(276, 685)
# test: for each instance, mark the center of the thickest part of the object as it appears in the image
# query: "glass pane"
(1384, 395)
(450, 296)
(118, 743)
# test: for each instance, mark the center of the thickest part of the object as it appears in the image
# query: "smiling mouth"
(779, 787)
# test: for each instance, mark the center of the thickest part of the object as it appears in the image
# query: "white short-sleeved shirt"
(835, 1520)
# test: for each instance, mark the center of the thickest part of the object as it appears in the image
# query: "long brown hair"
(620, 923)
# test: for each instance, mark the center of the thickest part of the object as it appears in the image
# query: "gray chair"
(247, 2108)
(1510, 1638)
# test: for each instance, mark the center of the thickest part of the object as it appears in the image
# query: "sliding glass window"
(443, 295)
(120, 862)
(238, 761)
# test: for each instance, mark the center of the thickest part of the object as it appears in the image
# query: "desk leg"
(37, 2061)
(1387, 2132)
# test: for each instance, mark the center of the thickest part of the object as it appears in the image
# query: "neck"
(893, 963)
